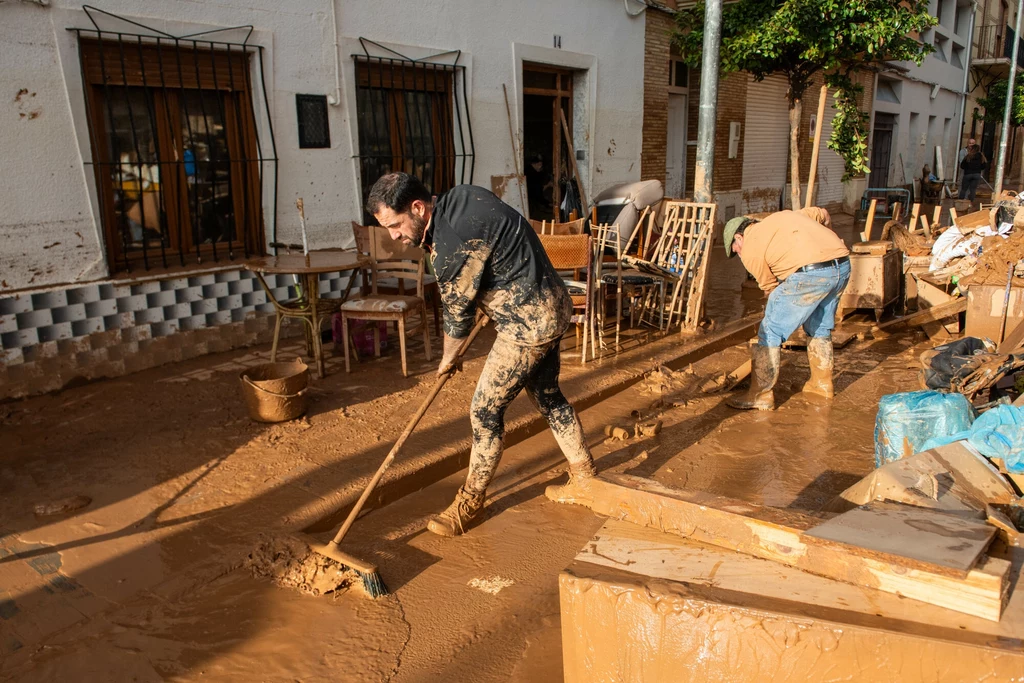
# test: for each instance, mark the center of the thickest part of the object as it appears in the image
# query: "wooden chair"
(431, 292)
(574, 253)
(553, 228)
(393, 260)
(628, 282)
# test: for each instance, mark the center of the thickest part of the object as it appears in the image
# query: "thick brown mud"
(148, 581)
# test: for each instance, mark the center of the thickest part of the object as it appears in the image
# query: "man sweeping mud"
(485, 255)
(804, 266)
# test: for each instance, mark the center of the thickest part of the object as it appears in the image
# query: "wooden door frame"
(561, 92)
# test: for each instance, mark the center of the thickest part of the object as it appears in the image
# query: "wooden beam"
(952, 216)
(913, 217)
(869, 222)
(936, 215)
(928, 315)
(778, 535)
(897, 209)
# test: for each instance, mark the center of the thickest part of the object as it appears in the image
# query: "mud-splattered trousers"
(486, 256)
(804, 298)
(509, 369)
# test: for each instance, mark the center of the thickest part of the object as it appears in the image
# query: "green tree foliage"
(994, 102)
(798, 39)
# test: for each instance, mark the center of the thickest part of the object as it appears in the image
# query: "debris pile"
(288, 563)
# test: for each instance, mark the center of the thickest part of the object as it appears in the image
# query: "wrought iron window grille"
(412, 116)
(176, 144)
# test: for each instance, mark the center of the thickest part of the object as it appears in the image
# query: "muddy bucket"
(275, 392)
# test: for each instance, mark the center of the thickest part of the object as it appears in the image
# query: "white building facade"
(150, 147)
(919, 110)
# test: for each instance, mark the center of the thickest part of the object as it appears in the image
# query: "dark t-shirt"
(976, 165)
(484, 252)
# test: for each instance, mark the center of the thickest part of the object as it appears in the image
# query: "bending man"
(804, 267)
(484, 254)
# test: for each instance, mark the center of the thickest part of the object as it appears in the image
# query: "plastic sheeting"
(998, 433)
(906, 421)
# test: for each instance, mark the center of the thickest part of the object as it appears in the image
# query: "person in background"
(963, 150)
(973, 165)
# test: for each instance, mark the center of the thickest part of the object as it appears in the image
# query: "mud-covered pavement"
(147, 582)
(127, 595)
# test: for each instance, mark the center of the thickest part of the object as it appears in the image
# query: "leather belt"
(823, 264)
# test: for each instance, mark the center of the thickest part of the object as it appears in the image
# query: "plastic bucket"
(275, 392)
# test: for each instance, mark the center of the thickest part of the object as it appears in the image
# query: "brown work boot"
(764, 374)
(578, 489)
(821, 359)
(453, 521)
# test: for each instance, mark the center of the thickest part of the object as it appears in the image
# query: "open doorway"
(546, 91)
(881, 149)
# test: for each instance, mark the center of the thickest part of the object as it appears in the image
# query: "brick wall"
(655, 127)
(732, 106)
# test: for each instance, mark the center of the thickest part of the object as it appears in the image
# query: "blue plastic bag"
(998, 433)
(906, 421)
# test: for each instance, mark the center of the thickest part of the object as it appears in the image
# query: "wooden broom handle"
(438, 385)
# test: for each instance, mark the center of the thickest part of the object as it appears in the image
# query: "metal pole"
(1004, 133)
(705, 171)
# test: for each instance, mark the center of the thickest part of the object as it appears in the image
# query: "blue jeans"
(809, 299)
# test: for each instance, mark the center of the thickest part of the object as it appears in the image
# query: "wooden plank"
(778, 535)
(897, 210)
(935, 541)
(1013, 340)
(840, 338)
(928, 315)
(936, 215)
(869, 222)
(727, 380)
(913, 217)
(812, 176)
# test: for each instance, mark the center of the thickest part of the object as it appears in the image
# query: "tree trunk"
(795, 109)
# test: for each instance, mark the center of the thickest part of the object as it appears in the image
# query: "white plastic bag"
(952, 244)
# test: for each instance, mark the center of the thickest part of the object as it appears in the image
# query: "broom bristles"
(373, 584)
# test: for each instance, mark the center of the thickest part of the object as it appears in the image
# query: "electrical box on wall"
(734, 139)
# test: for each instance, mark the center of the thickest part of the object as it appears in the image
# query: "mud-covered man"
(804, 266)
(486, 256)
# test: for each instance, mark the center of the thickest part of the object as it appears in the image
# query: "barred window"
(410, 118)
(175, 150)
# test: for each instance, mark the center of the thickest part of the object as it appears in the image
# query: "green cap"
(731, 227)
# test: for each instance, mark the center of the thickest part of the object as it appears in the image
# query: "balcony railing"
(996, 42)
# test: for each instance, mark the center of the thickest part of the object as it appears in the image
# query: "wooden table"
(308, 307)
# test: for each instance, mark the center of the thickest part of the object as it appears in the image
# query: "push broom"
(367, 571)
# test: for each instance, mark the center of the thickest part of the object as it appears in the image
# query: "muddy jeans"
(510, 369)
(809, 299)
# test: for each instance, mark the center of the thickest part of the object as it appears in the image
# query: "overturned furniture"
(689, 586)
(680, 255)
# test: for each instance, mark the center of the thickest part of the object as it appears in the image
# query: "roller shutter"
(765, 144)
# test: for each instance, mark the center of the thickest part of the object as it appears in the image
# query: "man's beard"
(419, 228)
